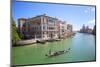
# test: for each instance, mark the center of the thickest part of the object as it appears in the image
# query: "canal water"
(82, 48)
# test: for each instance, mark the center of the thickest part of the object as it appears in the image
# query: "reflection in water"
(82, 49)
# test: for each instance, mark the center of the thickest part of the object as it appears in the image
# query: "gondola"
(51, 54)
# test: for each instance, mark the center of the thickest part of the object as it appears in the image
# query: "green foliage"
(15, 36)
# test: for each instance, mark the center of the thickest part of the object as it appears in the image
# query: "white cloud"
(91, 21)
(92, 9)
(86, 11)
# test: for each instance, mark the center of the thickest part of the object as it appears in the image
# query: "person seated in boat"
(61, 51)
(56, 53)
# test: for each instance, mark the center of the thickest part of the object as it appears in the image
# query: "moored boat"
(42, 41)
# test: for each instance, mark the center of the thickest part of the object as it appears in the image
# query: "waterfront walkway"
(23, 42)
(31, 41)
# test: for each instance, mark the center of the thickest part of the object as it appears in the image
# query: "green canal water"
(82, 49)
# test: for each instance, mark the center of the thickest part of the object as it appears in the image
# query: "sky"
(77, 15)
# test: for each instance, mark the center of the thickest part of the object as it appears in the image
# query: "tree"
(15, 36)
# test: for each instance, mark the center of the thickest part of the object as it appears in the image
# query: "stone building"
(42, 26)
(86, 29)
(69, 30)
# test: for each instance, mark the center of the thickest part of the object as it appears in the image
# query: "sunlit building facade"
(44, 27)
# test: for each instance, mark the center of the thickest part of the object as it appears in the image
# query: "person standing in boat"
(49, 52)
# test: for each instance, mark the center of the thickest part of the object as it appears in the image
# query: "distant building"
(86, 29)
(43, 26)
(83, 28)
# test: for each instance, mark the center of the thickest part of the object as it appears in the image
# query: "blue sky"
(72, 14)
